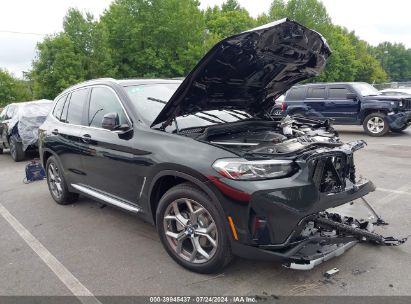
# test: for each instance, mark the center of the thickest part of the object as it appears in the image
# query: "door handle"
(86, 138)
(55, 132)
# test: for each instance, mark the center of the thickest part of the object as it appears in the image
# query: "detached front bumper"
(276, 223)
(399, 120)
(279, 238)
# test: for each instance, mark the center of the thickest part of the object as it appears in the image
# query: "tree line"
(166, 38)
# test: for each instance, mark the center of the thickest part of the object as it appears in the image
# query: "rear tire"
(57, 184)
(375, 124)
(192, 231)
(1, 150)
(16, 149)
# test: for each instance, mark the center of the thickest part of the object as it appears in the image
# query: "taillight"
(283, 106)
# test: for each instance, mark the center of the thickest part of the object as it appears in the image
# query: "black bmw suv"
(204, 161)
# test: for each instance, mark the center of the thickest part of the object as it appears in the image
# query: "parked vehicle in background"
(204, 161)
(396, 92)
(19, 123)
(350, 103)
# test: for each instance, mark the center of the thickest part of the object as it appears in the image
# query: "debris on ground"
(331, 272)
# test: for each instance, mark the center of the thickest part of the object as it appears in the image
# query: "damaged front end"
(310, 215)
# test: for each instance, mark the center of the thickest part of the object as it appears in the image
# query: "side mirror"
(110, 121)
(352, 96)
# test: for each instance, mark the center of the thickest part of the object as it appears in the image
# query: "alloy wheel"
(54, 179)
(190, 230)
(375, 125)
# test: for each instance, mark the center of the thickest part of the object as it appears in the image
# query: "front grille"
(406, 104)
(330, 173)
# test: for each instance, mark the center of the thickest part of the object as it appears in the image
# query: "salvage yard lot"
(114, 253)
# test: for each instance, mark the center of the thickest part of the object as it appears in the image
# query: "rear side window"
(104, 101)
(296, 94)
(75, 108)
(59, 107)
(317, 93)
(337, 93)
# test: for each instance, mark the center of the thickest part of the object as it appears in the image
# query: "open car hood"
(249, 70)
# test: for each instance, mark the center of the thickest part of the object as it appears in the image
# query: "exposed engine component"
(285, 136)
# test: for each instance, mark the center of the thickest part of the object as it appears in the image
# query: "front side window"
(75, 107)
(317, 93)
(338, 93)
(104, 101)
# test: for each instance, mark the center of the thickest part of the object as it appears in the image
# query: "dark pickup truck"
(350, 103)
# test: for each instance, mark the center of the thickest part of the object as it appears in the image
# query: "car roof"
(121, 82)
(325, 83)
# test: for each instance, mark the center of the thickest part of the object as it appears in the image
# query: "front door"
(339, 107)
(110, 163)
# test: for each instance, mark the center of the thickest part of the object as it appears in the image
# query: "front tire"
(16, 149)
(375, 125)
(277, 112)
(57, 184)
(191, 229)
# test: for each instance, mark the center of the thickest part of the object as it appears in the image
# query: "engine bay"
(282, 137)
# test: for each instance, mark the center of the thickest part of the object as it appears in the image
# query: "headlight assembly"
(242, 169)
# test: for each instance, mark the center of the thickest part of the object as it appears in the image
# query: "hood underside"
(249, 70)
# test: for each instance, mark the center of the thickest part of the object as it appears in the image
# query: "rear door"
(110, 162)
(315, 101)
(65, 137)
(339, 107)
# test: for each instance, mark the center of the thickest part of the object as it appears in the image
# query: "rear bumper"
(399, 120)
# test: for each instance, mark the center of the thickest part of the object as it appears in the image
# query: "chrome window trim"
(95, 128)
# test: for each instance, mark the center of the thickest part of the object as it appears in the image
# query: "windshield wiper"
(157, 100)
(212, 115)
(241, 113)
(207, 119)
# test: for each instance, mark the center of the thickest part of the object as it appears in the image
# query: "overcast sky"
(374, 21)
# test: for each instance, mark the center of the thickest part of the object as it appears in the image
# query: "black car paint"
(249, 70)
(137, 165)
(349, 111)
(132, 166)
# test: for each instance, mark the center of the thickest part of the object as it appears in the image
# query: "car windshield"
(150, 99)
(366, 89)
